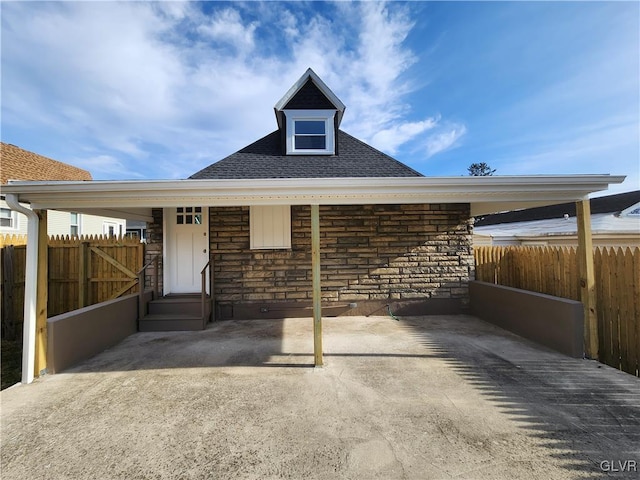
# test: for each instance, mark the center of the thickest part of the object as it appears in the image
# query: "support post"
(30, 288)
(586, 272)
(315, 270)
(40, 366)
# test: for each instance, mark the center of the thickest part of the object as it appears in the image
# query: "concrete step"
(181, 305)
(171, 322)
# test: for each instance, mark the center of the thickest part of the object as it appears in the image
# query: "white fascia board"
(486, 194)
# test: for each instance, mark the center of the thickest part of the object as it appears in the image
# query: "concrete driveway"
(422, 398)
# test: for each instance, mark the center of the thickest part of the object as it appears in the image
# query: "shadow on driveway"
(585, 413)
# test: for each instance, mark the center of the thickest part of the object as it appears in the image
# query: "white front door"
(187, 249)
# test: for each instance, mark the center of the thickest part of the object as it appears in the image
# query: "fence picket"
(627, 330)
(636, 303)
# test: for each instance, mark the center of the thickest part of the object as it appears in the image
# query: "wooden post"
(315, 270)
(587, 278)
(40, 365)
(83, 274)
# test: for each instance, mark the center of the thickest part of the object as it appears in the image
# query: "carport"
(135, 199)
(433, 397)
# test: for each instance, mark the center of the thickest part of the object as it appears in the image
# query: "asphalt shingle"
(19, 164)
(264, 159)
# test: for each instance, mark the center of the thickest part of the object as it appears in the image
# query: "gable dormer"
(308, 117)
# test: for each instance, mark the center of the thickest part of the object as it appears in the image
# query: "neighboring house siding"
(59, 223)
(96, 225)
(381, 253)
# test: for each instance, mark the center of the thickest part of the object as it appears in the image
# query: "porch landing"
(182, 312)
(424, 398)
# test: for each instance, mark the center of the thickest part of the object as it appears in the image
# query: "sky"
(160, 90)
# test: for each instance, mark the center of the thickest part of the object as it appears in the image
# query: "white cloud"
(104, 164)
(445, 139)
(227, 26)
(163, 86)
(391, 138)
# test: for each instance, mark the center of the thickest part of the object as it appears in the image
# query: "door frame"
(167, 245)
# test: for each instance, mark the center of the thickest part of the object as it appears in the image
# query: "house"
(615, 222)
(20, 164)
(306, 221)
(137, 228)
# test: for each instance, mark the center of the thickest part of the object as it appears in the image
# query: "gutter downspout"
(30, 288)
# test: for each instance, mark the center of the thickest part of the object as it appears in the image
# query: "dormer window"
(310, 132)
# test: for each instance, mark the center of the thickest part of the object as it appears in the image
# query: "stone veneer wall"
(370, 255)
(153, 248)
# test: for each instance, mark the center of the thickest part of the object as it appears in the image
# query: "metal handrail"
(203, 292)
(141, 284)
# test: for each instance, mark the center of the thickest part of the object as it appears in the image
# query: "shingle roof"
(19, 164)
(607, 204)
(264, 159)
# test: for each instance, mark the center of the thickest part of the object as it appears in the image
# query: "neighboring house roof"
(600, 223)
(19, 164)
(610, 215)
(606, 204)
(264, 159)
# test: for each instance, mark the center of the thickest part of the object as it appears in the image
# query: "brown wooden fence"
(554, 271)
(82, 271)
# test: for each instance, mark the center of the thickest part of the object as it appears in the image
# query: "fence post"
(587, 278)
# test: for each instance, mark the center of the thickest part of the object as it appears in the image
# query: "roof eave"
(485, 194)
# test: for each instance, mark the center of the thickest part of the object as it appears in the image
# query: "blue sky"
(138, 90)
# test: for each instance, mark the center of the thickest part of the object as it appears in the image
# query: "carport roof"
(134, 199)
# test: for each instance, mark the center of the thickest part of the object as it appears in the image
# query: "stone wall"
(372, 255)
(153, 248)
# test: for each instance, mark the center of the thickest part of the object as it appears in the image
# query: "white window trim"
(15, 224)
(106, 224)
(315, 115)
(258, 239)
(77, 224)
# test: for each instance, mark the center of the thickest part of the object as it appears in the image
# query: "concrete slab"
(422, 398)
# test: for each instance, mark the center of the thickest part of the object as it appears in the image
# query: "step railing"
(141, 284)
(203, 292)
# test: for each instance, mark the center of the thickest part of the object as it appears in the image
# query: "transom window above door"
(189, 216)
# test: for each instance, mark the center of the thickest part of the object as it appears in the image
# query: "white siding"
(59, 223)
(91, 225)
